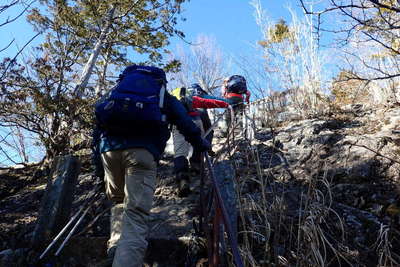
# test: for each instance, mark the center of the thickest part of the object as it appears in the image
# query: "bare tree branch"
(18, 53)
(368, 26)
(10, 20)
(7, 46)
(203, 64)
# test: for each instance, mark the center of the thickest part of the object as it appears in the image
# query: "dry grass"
(285, 223)
(274, 236)
(387, 257)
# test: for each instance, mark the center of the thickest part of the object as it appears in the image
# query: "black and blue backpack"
(236, 84)
(136, 103)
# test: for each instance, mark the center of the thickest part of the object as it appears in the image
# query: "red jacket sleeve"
(199, 102)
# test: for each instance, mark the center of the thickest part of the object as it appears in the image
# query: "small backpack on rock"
(136, 103)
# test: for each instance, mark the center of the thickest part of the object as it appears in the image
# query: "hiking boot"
(184, 188)
(211, 153)
(195, 169)
(183, 183)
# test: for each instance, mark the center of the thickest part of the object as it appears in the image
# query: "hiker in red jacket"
(192, 99)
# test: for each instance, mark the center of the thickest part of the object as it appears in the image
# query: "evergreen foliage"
(51, 93)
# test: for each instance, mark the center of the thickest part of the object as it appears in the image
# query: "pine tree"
(51, 94)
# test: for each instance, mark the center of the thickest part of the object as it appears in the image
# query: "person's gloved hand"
(204, 146)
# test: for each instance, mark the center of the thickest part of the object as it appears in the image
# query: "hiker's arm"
(177, 115)
(199, 102)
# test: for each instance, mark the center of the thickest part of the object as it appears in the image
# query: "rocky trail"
(317, 192)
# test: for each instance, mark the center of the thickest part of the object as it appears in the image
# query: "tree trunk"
(88, 69)
(57, 201)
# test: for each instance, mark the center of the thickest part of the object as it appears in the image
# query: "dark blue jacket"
(154, 140)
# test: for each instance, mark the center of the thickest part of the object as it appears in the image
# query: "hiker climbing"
(129, 138)
(205, 118)
(233, 90)
(193, 98)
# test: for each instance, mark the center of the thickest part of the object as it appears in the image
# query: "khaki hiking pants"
(181, 146)
(130, 177)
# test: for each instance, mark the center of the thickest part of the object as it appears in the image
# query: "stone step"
(90, 251)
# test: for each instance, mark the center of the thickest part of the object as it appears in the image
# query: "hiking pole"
(74, 228)
(93, 221)
(61, 233)
(97, 190)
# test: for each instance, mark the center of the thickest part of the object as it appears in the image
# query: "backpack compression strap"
(161, 104)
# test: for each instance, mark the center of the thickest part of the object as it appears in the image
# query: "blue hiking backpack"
(136, 103)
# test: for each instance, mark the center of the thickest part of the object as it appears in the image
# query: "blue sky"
(231, 22)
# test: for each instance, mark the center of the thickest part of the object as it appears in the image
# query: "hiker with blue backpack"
(130, 135)
(193, 98)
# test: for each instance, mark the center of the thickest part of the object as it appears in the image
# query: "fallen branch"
(376, 152)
